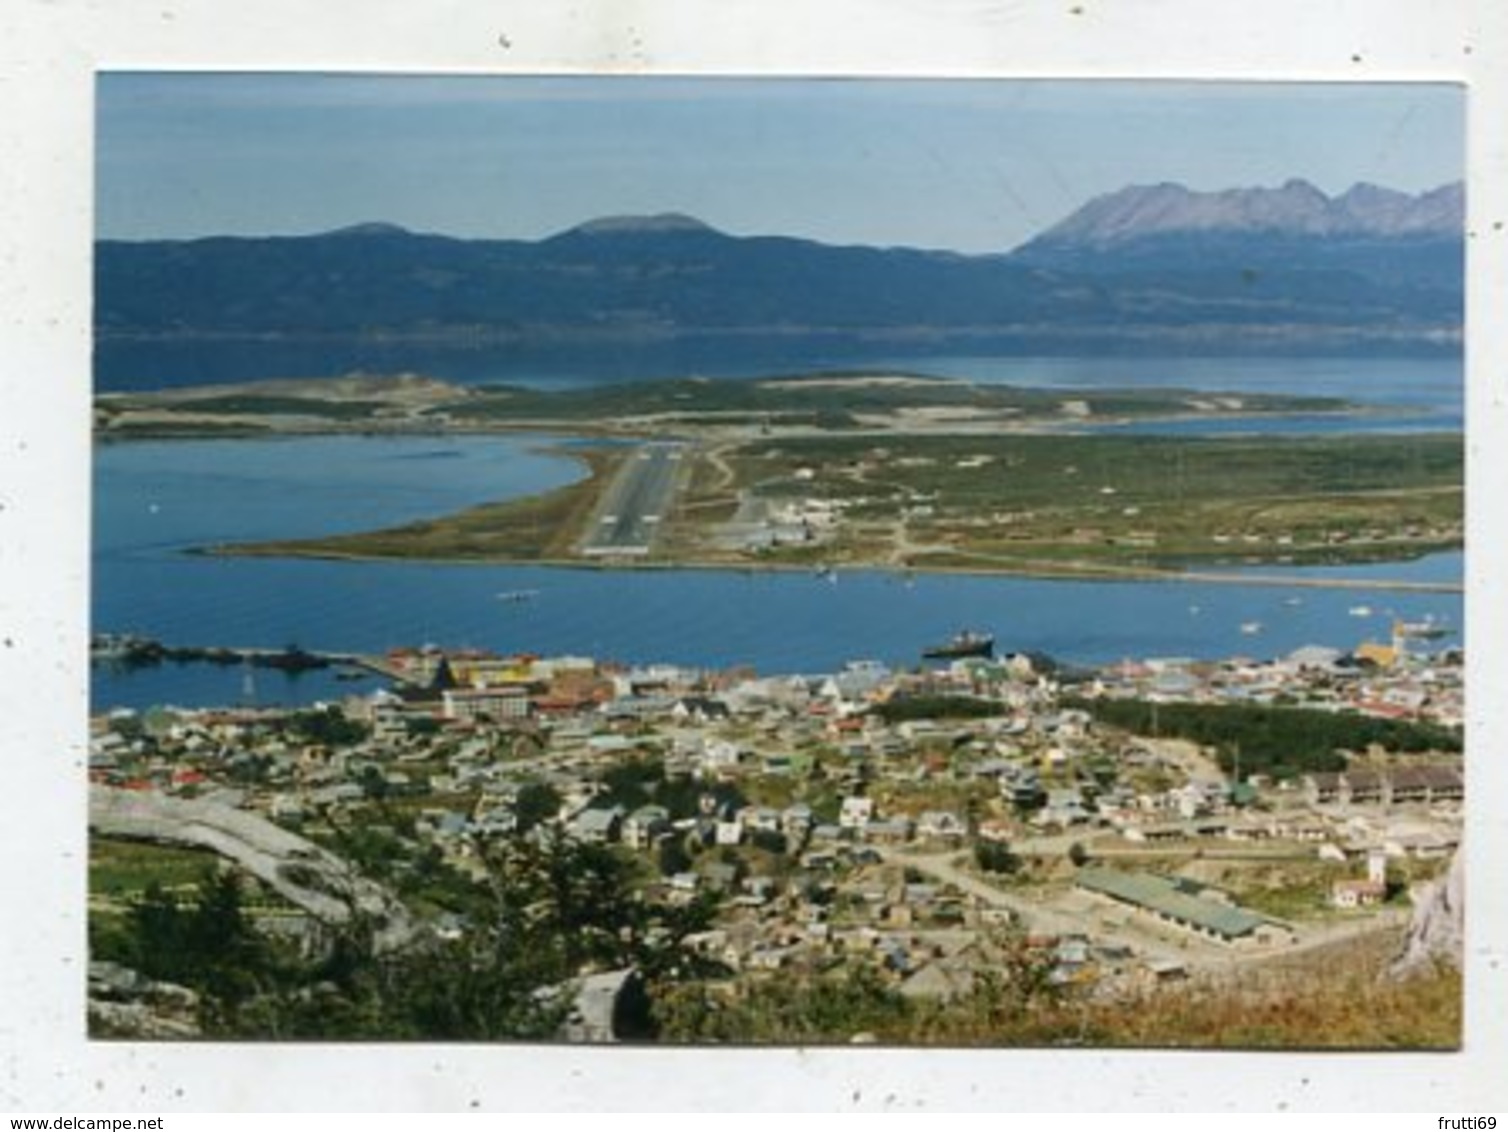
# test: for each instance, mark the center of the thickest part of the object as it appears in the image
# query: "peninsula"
(860, 469)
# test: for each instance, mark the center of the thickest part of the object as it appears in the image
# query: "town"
(1141, 828)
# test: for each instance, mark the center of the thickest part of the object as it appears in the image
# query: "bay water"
(155, 502)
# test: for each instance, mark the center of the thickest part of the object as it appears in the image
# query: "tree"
(421, 726)
(128, 727)
(536, 802)
(996, 857)
(373, 783)
(1017, 983)
(1078, 855)
(768, 840)
(328, 727)
(671, 856)
(231, 954)
(551, 913)
(209, 945)
(156, 934)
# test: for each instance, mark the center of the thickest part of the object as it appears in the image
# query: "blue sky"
(968, 165)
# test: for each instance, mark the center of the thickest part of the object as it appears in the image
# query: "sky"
(968, 165)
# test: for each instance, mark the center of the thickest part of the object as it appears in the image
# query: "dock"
(145, 651)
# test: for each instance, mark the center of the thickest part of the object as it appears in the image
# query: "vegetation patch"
(898, 709)
(538, 527)
(1282, 742)
(253, 404)
(119, 869)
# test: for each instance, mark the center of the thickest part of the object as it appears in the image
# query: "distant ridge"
(1148, 269)
(368, 228)
(662, 223)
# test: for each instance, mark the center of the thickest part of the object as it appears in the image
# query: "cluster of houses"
(796, 798)
(1392, 681)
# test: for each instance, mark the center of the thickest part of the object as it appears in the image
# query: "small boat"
(1360, 611)
(961, 645)
(1251, 628)
(518, 595)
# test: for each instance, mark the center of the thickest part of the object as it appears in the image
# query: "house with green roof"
(1185, 904)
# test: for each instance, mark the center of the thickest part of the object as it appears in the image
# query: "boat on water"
(962, 644)
(1360, 611)
(517, 595)
(1251, 628)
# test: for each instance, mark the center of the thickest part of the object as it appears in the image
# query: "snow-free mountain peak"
(657, 224)
(369, 228)
(1296, 208)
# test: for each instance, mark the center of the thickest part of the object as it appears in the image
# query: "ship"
(963, 644)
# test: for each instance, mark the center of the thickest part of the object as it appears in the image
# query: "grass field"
(534, 528)
(843, 400)
(1011, 503)
(254, 405)
(122, 869)
(814, 402)
(1340, 999)
(1148, 501)
(913, 471)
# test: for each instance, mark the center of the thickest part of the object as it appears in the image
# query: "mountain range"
(1375, 233)
(1158, 267)
(1297, 208)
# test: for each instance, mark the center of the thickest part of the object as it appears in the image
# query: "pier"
(145, 651)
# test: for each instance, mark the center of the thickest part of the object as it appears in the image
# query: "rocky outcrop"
(303, 873)
(1437, 932)
(124, 1003)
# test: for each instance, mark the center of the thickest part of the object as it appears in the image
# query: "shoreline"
(1085, 574)
(485, 534)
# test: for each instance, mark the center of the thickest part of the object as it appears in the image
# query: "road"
(1033, 914)
(629, 515)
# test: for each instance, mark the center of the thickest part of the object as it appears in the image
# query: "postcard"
(616, 559)
(962, 563)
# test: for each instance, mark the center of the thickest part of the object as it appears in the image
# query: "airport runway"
(630, 512)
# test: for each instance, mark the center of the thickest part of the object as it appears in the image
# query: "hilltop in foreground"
(991, 852)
